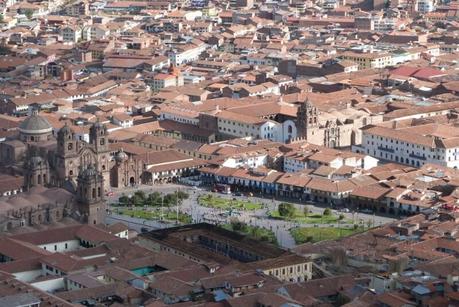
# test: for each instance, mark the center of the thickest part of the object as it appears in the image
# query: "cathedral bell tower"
(67, 151)
(98, 137)
(66, 143)
(90, 194)
(98, 140)
(307, 117)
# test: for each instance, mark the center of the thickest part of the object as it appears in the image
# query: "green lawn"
(310, 219)
(218, 202)
(316, 234)
(170, 215)
(257, 233)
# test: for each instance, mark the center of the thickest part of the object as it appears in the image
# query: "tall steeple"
(306, 117)
(98, 136)
(90, 194)
(66, 143)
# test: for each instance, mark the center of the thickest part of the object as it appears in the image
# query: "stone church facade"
(126, 171)
(332, 128)
(72, 155)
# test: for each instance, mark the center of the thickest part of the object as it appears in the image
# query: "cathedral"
(80, 167)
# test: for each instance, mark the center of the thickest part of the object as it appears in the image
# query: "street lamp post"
(161, 208)
(176, 205)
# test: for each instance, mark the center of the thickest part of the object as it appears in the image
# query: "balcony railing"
(386, 149)
(415, 156)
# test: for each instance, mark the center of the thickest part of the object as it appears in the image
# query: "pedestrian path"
(285, 239)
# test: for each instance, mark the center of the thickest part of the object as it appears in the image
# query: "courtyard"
(158, 206)
(156, 214)
(219, 202)
(302, 217)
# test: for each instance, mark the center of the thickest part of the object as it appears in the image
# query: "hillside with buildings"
(229, 153)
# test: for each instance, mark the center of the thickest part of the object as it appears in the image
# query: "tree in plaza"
(257, 233)
(123, 200)
(156, 194)
(170, 199)
(137, 200)
(181, 195)
(154, 199)
(327, 212)
(286, 210)
(140, 194)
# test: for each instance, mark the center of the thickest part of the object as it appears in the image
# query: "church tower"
(66, 143)
(98, 140)
(66, 155)
(307, 117)
(98, 137)
(37, 172)
(90, 194)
